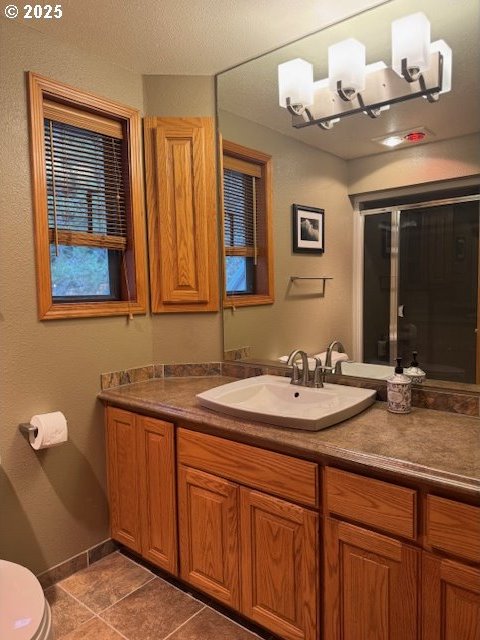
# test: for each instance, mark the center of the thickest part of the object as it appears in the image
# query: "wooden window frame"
(265, 267)
(40, 90)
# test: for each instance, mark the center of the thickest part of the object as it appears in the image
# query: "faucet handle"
(319, 374)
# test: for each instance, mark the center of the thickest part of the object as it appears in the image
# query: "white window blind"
(85, 185)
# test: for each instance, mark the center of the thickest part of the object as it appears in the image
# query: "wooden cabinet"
(253, 551)
(208, 532)
(279, 552)
(182, 223)
(451, 600)
(249, 536)
(371, 585)
(123, 478)
(141, 485)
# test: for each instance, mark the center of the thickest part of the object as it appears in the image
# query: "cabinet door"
(279, 554)
(370, 585)
(208, 523)
(157, 483)
(181, 202)
(451, 600)
(123, 486)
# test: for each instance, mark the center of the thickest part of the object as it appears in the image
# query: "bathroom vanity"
(369, 529)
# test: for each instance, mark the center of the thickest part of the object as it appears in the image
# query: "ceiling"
(190, 37)
(251, 90)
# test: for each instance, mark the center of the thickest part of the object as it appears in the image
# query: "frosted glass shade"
(295, 81)
(442, 47)
(411, 40)
(346, 63)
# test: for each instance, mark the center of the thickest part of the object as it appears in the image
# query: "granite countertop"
(438, 448)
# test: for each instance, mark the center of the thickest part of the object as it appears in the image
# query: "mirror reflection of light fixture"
(419, 69)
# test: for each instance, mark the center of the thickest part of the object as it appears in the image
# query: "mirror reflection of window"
(247, 226)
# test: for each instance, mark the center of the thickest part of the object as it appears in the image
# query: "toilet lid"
(22, 602)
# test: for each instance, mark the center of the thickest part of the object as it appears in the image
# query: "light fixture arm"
(371, 112)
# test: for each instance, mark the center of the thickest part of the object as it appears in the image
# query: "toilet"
(24, 611)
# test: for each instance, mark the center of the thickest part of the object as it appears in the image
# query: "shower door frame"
(358, 274)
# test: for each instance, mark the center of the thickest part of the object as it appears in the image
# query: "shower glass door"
(428, 271)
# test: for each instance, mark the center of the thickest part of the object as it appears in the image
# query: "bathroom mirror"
(344, 171)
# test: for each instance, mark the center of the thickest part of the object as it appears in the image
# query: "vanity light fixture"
(419, 69)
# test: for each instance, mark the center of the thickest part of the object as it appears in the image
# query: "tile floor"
(117, 598)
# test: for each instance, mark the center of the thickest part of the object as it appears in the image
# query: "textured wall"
(299, 317)
(53, 503)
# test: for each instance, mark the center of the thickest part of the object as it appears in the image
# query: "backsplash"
(465, 402)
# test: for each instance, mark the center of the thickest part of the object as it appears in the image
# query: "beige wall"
(180, 337)
(423, 164)
(299, 317)
(53, 503)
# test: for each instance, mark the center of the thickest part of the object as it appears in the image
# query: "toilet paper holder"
(26, 429)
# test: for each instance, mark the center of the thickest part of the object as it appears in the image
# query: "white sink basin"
(272, 399)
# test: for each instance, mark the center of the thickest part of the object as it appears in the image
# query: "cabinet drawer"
(372, 502)
(272, 472)
(453, 527)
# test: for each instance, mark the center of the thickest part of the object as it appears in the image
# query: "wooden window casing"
(53, 101)
(258, 165)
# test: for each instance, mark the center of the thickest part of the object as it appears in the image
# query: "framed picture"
(308, 229)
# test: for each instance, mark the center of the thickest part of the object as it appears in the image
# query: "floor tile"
(152, 612)
(106, 581)
(210, 625)
(94, 629)
(67, 613)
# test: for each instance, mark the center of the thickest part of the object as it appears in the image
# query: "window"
(247, 226)
(88, 208)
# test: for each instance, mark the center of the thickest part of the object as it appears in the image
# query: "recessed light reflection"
(392, 141)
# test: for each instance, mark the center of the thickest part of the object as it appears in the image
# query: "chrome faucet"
(301, 380)
(328, 357)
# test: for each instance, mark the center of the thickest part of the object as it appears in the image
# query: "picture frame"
(308, 226)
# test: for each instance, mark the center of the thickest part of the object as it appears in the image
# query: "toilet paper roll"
(51, 430)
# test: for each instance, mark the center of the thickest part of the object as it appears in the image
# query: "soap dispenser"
(399, 391)
(414, 372)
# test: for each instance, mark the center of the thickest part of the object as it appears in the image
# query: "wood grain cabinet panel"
(268, 471)
(208, 516)
(375, 503)
(451, 600)
(123, 483)
(141, 485)
(156, 468)
(370, 585)
(279, 551)
(181, 203)
(453, 527)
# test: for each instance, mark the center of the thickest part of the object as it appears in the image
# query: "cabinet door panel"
(279, 544)
(208, 517)
(451, 600)
(181, 198)
(370, 585)
(122, 471)
(157, 482)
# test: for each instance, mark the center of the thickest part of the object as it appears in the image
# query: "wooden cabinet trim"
(453, 527)
(381, 505)
(275, 473)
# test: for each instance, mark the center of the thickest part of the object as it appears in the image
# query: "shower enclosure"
(421, 284)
